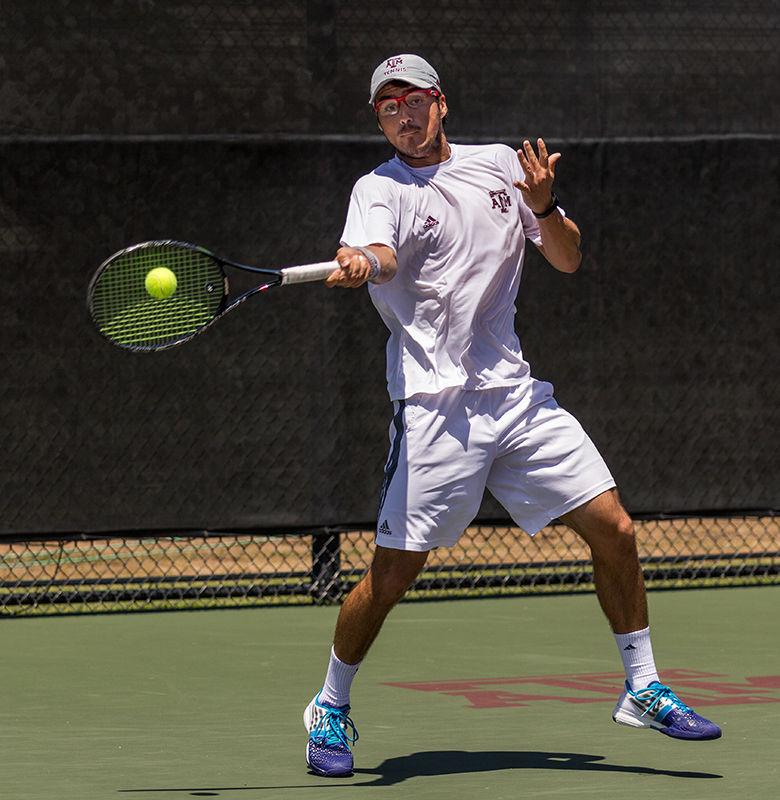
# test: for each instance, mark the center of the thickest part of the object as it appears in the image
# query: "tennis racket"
(156, 295)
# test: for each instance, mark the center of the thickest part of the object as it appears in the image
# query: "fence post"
(325, 566)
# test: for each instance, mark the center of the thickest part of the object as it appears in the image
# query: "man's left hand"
(539, 175)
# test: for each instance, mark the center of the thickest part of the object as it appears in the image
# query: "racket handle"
(308, 272)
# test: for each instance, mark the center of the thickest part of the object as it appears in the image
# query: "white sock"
(338, 681)
(637, 654)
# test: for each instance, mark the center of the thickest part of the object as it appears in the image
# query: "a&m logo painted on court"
(699, 688)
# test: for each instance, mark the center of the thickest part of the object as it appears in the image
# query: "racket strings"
(128, 315)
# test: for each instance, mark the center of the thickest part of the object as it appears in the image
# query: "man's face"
(416, 132)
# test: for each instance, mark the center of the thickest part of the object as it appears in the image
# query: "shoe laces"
(335, 727)
(659, 693)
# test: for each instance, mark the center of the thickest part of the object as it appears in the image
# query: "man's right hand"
(354, 269)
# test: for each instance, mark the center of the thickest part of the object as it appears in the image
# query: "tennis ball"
(160, 282)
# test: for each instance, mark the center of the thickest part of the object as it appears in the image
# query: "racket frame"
(303, 273)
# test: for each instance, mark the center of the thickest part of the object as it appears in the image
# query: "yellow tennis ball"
(160, 282)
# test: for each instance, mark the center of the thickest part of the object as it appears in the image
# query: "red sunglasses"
(414, 98)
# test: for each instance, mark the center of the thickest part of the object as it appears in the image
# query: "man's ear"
(443, 106)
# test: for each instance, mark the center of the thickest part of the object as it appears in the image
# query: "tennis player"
(439, 233)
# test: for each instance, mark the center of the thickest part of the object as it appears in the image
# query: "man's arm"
(560, 236)
(355, 266)
(560, 242)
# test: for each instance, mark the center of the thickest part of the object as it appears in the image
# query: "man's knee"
(604, 524)
(624, 532)
(623, 524)
(392, 573)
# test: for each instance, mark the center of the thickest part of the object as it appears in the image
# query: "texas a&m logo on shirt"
(501, 200)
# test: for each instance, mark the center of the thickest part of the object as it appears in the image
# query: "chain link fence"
(200, 570)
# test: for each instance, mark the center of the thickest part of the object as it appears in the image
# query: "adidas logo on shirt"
(384, 529)
(429, 223)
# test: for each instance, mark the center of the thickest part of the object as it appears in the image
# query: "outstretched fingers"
(531, 162)
(539, 171)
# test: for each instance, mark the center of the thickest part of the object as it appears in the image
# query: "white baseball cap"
(407, 68)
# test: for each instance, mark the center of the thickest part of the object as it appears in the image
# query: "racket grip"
(308, 272)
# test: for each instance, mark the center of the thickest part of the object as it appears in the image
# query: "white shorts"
(533, 456)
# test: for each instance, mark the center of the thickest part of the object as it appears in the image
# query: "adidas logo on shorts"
(384, 529)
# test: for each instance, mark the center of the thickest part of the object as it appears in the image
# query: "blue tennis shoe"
(331, 732)
(658, 707)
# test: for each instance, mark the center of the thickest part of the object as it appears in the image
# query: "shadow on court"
(452, 762)
(394, 771)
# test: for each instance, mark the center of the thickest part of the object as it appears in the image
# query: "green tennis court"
(458, 699)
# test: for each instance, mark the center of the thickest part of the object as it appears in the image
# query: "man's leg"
(361, 616)
(391, 573)
(609, 532)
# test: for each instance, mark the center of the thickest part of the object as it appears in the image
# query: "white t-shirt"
(458, 230)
